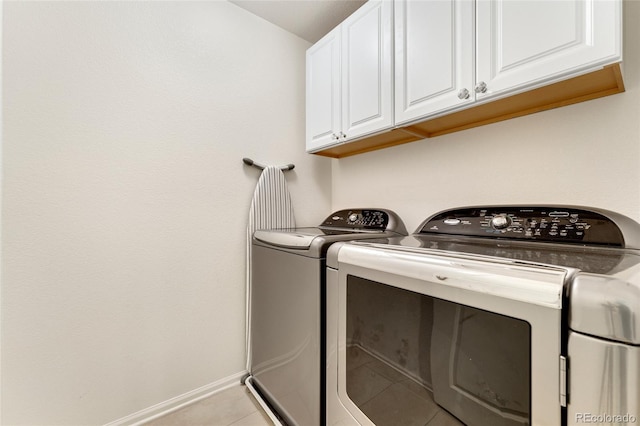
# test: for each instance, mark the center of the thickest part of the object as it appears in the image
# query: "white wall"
(585, 154)
(125, 200)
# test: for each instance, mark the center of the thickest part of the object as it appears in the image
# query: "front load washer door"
(422, 334)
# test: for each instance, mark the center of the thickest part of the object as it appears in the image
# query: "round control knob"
(500, 222)
(353, 217)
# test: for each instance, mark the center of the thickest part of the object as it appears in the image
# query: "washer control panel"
(545, 224)
(358, 219)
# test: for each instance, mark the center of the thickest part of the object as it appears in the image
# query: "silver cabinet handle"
(481, 87)
(463, 94)
(337, 137)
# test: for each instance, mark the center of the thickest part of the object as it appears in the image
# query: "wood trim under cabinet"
(389, 138)
(603, 82)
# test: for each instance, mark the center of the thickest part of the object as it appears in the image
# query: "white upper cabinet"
(434, 69)
(515, 45)
(349, 78)
(367, 69)
(402, 70)
(527, 43)
(323, 92)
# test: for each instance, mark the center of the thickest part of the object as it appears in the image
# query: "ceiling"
(308, 19)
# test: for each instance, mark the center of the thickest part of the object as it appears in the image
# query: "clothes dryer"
(488, 316)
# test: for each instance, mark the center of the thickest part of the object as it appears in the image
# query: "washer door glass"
(412, 359)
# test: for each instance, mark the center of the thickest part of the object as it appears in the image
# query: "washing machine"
(488, 316)
(287, 343)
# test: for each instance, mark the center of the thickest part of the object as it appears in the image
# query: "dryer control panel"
(544, 224)
(358, 219)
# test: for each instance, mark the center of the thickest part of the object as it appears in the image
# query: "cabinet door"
(434, 57)
(323, 91)
(527, 43)
(367, 69)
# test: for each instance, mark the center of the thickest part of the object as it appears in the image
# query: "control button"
(452, 221)
(500, 222)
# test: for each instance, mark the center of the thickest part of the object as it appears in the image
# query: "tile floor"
(384, 394)
(390, 398)
(235, 406)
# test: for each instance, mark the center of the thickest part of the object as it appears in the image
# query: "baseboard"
(179, 402)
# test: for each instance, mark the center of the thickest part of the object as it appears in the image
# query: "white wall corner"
(162, 409)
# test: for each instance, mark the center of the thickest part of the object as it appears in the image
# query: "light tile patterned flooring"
(390, 398)
(385, 395)
(235, 406)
